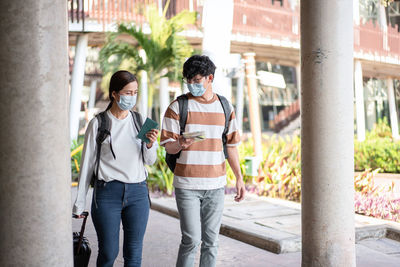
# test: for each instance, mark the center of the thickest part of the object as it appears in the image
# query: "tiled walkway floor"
(163, 236)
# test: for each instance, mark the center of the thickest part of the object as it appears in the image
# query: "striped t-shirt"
(202, 165)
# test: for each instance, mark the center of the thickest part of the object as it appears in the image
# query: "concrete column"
(298, 80)
(356, 12)
(217, 40)
(384, 26)
(191, 5)
(143, 91)
(327, 133)
(394, 123)
(360, 107)
(164, 96)
(78, 74)
(185, 89)
(370, 108)
(35, 197)
(92, 96)
(255, 124)
(240, 100)
(160, 8)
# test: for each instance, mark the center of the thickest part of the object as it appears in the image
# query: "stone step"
(275, 224)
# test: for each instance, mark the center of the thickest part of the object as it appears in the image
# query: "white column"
(394, 123)
(191, 5)
(185, 89)
(356, 12)
(384, 26)
(240, 100)
(78, 74)
(143, 105)
(327, 132)
(298, 80)
(160, 8)
(217, 40)
(35, 176)
(254, 105)
(92, 97)
(144, 92)
(370, 108)
(164, 97)
(360, 107)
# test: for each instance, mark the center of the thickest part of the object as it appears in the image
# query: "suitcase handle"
(85, 214)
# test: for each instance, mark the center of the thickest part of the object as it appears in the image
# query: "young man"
(200, 171)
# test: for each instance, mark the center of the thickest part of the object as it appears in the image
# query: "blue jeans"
(118, 201)
(200, 214)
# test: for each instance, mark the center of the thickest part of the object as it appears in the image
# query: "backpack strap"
(138, 122)
(183, 111)
(227, 112)
(103, 131)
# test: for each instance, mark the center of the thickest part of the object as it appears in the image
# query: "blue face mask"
(196, 89)
(126, 102)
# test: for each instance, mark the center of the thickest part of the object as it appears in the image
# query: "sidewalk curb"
(373, 228)
(377, 232)
(382, 175)
(269, 244)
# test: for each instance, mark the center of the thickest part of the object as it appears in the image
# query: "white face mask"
(127, 102)
(196, 89)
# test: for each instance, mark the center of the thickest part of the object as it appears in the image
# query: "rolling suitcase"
(81, 248)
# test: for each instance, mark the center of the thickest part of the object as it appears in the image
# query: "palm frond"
(164, 47)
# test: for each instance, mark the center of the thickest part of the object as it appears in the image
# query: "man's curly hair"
(198, 65)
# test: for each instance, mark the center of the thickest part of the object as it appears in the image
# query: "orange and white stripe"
(202, 165)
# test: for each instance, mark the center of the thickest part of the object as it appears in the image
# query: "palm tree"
(164, 48)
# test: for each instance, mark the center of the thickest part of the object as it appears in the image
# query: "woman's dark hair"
(117, 82)
(198, 65)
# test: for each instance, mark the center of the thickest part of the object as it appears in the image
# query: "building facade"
(270, 29)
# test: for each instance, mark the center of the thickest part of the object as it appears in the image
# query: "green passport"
(148, 125)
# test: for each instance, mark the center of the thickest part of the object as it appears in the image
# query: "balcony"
(273, 29)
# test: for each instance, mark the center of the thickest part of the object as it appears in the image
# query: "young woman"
(120, 189)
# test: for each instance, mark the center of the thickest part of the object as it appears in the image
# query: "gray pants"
(200, 214)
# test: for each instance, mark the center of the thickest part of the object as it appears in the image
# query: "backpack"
(170, 159)
(102, 133)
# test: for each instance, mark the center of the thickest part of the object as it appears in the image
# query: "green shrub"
(76, 154)
(281, 168)
(380, 130)
(378, 150)
(245, 149)
(160, 176)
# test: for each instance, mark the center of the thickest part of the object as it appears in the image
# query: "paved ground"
(162, 241)
(163, 236)
(275, 224)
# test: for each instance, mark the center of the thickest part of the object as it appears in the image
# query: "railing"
(107, 11)
(265, 19)
(286, 115)
(254, 18)
(371, 39)
(110, 11)
(76, 12)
